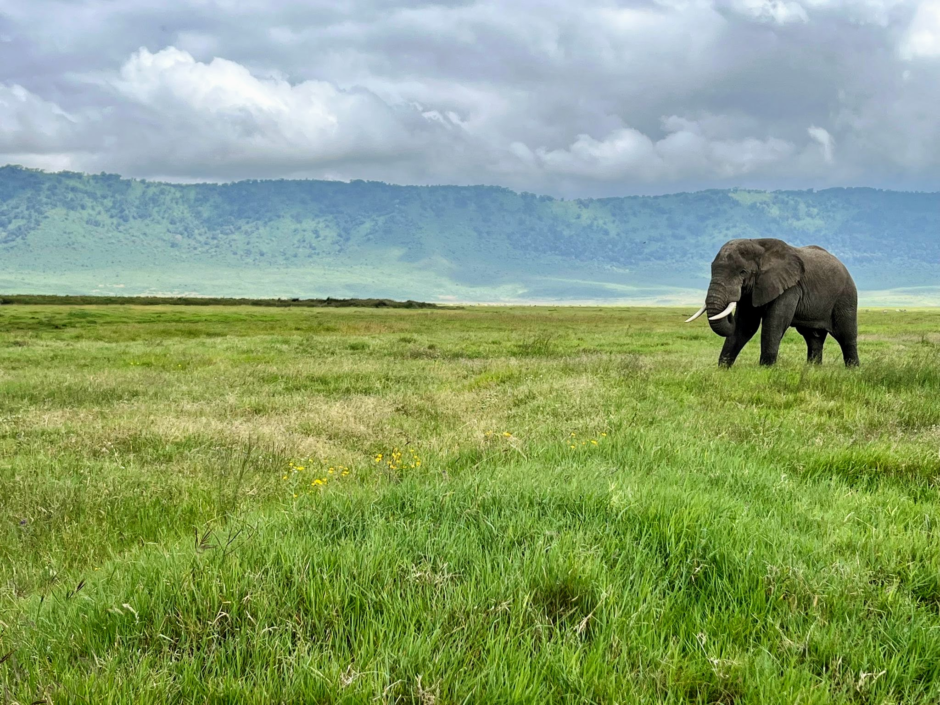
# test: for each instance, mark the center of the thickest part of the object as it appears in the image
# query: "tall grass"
(211, 507)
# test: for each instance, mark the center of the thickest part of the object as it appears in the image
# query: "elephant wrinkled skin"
(768, 284)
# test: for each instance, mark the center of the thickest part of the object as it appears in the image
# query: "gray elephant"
(769, 284)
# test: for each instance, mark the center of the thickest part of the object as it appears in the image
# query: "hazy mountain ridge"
(74, 233)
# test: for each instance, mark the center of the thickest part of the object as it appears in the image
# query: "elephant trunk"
(717, 301)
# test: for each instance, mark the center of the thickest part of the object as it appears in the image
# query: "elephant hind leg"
(815, 339)
(845, 331)
(849, 347)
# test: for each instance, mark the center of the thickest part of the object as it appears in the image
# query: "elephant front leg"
(745, 326)
(777, 319)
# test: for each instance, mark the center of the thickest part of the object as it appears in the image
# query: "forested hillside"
(74, 233)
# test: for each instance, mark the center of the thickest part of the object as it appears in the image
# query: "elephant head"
(752, 272)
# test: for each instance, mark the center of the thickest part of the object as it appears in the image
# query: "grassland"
(584, 509)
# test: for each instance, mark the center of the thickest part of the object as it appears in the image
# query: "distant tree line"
(106, 220)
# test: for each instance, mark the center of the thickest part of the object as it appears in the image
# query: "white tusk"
(727, 312)
(697, 314)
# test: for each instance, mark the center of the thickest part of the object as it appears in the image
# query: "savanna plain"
(500, 505)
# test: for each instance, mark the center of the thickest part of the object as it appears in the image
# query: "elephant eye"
(743, 271)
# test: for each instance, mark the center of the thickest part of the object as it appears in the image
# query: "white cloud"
(922, 39)
(22, 111)
(878, 12)
(686, 152)
(33, 131)
(234, 118)
(778, 11)
(826, 143)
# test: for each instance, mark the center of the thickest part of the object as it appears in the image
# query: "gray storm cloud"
(572, 98)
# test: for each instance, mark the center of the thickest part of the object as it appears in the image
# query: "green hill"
(72, 233)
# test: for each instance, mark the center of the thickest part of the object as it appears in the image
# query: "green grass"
(734, 536)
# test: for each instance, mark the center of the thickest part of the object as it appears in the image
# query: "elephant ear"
(780, 269)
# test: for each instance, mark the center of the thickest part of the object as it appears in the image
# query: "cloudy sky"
(568, 97)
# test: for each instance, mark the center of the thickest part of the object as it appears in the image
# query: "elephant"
(766, 283)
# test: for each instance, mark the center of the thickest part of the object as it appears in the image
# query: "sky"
(574, 98)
